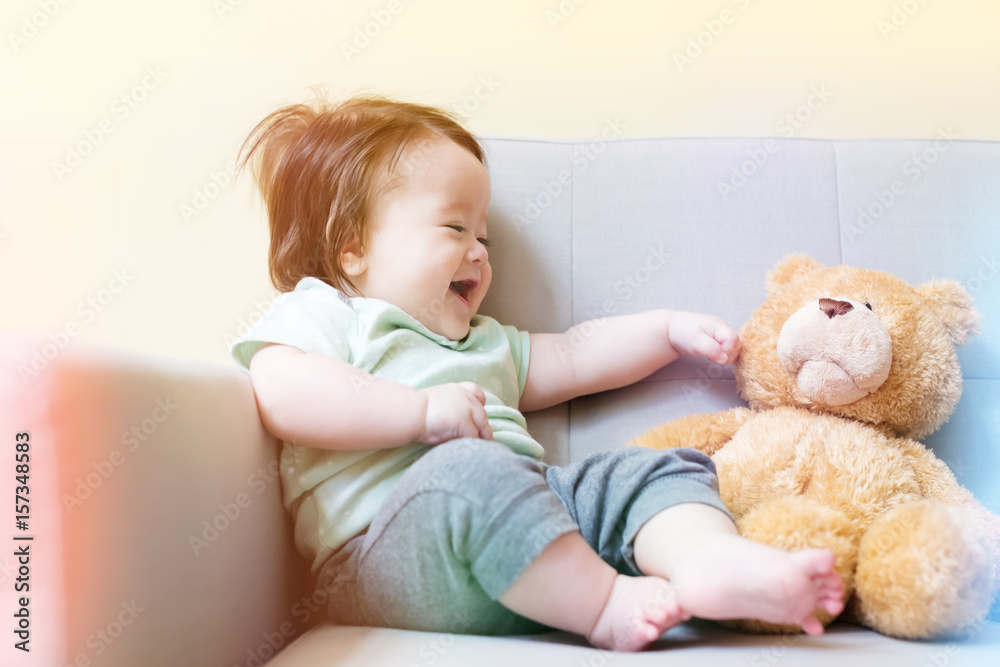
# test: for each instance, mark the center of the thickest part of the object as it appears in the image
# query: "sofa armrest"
(159, 532)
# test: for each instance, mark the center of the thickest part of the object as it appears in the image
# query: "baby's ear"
(788, 269)
(954, 306)
(352, 258)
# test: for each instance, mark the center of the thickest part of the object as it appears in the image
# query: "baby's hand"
(455, 410)
(704, 335)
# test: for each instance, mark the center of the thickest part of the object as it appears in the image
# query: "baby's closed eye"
(461, 230)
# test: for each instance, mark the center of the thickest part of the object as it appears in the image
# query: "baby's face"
(429, 234)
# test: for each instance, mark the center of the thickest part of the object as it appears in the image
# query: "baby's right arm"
(319, 401)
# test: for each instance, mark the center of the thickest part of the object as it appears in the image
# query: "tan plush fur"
(919, 556)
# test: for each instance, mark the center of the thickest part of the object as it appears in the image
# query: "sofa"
(159, 537)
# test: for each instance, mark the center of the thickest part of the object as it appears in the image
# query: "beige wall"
(159, 95)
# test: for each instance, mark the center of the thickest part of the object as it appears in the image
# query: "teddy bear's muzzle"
(835, 350)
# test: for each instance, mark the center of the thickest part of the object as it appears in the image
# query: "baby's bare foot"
(739, 578)
(638, 611)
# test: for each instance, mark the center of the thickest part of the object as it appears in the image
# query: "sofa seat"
(691, 644)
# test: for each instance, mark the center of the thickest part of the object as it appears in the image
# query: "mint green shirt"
(333, 495)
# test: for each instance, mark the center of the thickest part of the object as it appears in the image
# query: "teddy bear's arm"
(707, 431)
(935, 478)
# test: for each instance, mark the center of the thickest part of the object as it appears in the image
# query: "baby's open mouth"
(463, 288)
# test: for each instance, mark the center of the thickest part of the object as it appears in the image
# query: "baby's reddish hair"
(320, 166)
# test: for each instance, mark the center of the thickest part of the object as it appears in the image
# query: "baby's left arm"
(612, 352)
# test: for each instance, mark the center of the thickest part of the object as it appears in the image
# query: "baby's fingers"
(482, 423)
(486, 433)
(706, 346)
(475, 390)
(729, 342)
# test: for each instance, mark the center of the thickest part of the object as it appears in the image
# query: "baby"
(416, 490)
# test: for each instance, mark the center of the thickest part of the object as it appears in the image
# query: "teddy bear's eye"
(868, 305)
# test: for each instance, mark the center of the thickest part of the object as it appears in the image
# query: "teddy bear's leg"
(706, 431)
(937, 482)
(799, 522)
(924, 571)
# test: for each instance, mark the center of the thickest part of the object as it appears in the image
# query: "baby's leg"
(569, 587)
(611, 495)
(472, 526)
(720, 575)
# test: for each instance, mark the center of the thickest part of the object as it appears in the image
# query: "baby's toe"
(811, 625)
(832, 606)
(830, 585)
(817, 562)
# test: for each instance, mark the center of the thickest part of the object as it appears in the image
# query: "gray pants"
(470, 515)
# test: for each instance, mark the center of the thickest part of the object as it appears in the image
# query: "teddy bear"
(845, 369)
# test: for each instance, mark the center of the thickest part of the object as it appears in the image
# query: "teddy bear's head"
(856, 343)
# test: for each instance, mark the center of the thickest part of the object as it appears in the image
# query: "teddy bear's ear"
(954, 306)
(790, 268)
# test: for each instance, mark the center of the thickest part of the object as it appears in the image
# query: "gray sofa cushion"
(586, 229)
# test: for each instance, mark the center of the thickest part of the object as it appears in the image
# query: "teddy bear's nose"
(833, 307)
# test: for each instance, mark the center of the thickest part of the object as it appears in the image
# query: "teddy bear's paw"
(924, 571)
(754, 626)
(758, 627)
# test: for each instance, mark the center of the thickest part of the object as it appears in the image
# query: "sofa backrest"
(581, 230)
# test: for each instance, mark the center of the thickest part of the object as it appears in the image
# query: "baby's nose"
(479, 252)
